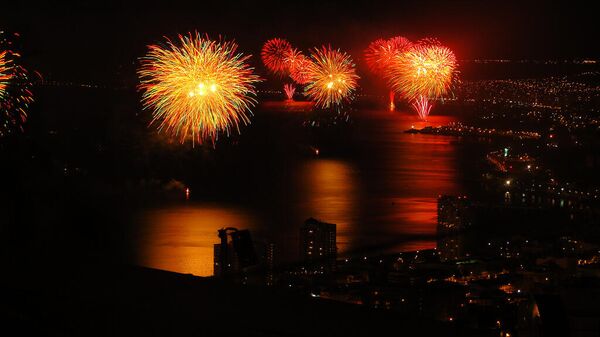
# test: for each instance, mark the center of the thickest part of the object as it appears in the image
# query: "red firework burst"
(299, 68)
(380, 53)
(274, 53)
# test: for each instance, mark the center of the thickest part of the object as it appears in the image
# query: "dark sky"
(96, 40)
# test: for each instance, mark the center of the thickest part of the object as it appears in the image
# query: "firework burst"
(380, 55)
(298, 66)
(427, 71)
(15, 91)
(300, 72)
(197, 87)
(424, 70)
(274, 53)
(332, 77)
(5, 75)
(292, 58)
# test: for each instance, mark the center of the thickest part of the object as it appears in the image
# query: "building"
(231, 266)
(266, 257)
(454, 216)
(318, 243)
(231, 256)
(244, 258)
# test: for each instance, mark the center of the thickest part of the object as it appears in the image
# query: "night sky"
(99, 41)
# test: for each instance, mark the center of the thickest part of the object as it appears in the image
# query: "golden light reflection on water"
(374, 198)
(181, 238)
(421, 214)
(328, 192)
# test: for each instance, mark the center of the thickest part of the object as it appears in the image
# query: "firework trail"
(197, 88)
(289, 90)
(422, 107)
(274, 53)
(332, 76)
(15, 90)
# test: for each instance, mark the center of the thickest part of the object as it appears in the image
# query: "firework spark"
(332, 77)
(425, 72)
(15, 92)
(197, 87)
(290, 90)
(274, 53)
(422, 107)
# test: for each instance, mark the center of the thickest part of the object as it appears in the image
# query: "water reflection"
(328, 191)
(181, 238)
(402, 175)
(378, 196)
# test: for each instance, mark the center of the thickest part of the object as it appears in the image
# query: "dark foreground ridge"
(135, 301)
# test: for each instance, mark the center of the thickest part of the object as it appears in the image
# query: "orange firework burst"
(298, 65)
(332, 77)
(424, 72)
(4, 73)
(198, 87)
(15, 93)
(274, 53)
